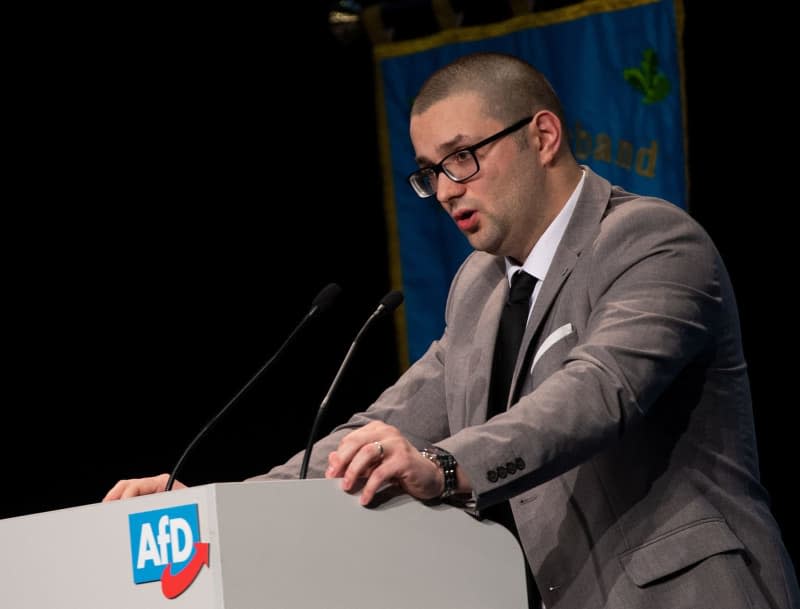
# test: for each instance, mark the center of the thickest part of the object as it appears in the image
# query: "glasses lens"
(423, 182)
(460, 165)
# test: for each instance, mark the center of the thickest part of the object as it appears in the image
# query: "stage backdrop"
(617, 66)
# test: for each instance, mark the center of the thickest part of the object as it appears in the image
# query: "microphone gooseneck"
(321, 303)
(388, 304)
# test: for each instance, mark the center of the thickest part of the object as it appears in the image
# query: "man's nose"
(447, 189)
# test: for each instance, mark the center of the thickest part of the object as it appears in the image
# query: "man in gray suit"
(625, 452)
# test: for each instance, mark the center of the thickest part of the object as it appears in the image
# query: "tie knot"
(521, 287)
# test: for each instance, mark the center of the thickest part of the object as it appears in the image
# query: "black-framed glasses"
(459, 165)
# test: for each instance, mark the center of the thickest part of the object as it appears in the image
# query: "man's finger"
(379, 476)
(368, 456)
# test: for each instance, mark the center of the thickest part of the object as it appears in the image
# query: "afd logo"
(166, 546)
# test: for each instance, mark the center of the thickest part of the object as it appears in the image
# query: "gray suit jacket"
(630, 457)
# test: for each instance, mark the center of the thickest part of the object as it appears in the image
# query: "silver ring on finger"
(379, 446)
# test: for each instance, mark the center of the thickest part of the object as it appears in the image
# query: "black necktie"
(509, 337)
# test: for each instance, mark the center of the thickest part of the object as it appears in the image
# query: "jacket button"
(491, 475)
(519, 463)
(501, 471)
(511, 468)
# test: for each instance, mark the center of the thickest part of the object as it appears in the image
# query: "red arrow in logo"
(174, 585)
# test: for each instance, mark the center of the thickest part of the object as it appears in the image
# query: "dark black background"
(186, 184)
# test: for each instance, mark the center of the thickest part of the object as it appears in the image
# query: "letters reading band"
(459, 165)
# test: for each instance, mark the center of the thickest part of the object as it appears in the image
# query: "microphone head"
(325, 298)
(391, 301)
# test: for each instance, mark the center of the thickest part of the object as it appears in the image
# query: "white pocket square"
(551, 340)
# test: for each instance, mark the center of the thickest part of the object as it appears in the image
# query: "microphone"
(321, 303)
(388, 304)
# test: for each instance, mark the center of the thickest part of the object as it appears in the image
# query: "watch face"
(447, 463)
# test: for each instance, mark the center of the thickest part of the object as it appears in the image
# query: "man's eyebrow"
(444, 148)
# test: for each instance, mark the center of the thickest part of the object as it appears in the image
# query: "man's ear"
(548, 132)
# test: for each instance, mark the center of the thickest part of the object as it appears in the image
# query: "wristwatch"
(447, 463)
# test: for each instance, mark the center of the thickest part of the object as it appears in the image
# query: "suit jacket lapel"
(486, 334)
(581, 229)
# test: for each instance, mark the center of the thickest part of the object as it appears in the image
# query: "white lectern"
(282, 544)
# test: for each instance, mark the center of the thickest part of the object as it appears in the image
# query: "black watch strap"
(447, 463)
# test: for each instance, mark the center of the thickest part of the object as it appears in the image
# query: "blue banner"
(617, 67)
